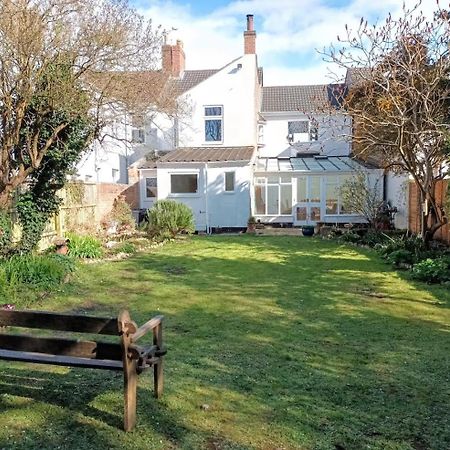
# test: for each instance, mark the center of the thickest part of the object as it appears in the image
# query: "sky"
(289, 32)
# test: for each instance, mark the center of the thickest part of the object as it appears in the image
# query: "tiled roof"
(208, 154)
(310, 98)
(193, 77)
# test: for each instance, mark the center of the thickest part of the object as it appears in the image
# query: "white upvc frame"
(145, 184)
(225, 182)
(218, 117)
(309, 121)
(187, 194)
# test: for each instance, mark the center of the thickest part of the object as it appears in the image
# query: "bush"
(432, 270)
(5, 232)
(350, 236)
(412, 244)
(84, 246)
(373, 238)
(121, 216)
(401, 256)
(168, 218)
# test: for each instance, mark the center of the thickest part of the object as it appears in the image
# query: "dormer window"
(213, 123)
(303, 131)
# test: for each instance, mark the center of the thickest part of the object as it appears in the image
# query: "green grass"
(293, 343)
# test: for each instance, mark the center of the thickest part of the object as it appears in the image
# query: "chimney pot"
(249, 22)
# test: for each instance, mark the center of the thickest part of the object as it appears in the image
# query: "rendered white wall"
(218, 208)
(233, 88)
(397, 195)
(333, 135)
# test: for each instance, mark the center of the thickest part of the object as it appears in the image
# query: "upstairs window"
(303, 131)
(213, 123)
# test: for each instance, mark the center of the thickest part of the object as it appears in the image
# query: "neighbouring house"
(241, 149)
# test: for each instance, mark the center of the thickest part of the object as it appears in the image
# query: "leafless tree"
(83, 57)
(399, 99)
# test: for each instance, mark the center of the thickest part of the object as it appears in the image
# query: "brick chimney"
(173, 59)
(250, 37)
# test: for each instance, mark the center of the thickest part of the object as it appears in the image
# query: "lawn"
(274, 343)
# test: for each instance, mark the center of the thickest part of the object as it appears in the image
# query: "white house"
(279, 153)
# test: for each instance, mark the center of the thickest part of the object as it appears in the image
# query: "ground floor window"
(186, 183)
(273, 196)
(151, 187)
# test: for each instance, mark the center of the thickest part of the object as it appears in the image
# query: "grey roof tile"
(208, 154)
(309, 98)
(192, 78)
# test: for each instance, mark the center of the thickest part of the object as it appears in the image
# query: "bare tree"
(77, 56)
(399, 99)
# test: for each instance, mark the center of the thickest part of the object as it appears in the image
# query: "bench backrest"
(62, 322)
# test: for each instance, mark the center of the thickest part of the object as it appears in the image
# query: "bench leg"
(158, 375)
(129, 393)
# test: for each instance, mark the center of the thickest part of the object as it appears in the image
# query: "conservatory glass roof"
(310, 164)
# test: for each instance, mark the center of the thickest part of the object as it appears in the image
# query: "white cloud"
(288, 32)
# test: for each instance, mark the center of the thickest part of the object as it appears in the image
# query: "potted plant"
(61, 245)
(308, 230)
(251, 225)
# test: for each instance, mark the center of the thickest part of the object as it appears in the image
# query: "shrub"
(373, 238)
(413, 244)
(5, 232)
(121, 215)
(84, 246)
(350, 236)
(432, 270)
(401, 256)
(168, 218)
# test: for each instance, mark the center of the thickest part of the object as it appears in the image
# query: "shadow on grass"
(305, 342)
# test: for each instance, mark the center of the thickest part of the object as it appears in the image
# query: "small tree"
(399, 99)
(359, 197)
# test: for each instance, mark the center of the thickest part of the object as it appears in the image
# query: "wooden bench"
(124, 355)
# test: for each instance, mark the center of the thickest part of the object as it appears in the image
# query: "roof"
(193, 77)
(308, 98)
(208, 154)
(311, 164)
(356, 75)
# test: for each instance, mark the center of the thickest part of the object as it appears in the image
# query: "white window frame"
(225, 182)
(312, 123)
(146, 196)
(278, 183)
(187, 194)
(218, 117)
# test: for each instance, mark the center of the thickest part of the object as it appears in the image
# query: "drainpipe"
(206, 199)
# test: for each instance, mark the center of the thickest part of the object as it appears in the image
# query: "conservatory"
(306, 190)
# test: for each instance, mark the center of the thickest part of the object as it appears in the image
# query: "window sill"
(196, 195)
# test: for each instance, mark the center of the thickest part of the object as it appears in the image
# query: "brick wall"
(108, 192)
(443, 234)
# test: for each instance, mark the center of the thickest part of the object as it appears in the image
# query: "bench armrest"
(148, 326)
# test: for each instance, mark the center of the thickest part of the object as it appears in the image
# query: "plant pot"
(308, 230)
(251, 228)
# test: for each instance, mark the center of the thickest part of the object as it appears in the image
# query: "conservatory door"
(307, 210)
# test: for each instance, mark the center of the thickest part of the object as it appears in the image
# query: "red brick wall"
(108, 192)
(443, 234)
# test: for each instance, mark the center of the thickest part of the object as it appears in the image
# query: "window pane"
(213, 130)
(299, 126)
(314, 195)
(301, 190)
(331, 193)
(183, 184)
(272, 199)
(260, 199)
(301, 213)
(229, 181)
(285, 179)
(213, 111)
(315, 214)
(151, 187)
(286, 199)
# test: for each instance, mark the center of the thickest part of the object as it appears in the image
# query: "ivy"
(40, 201)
